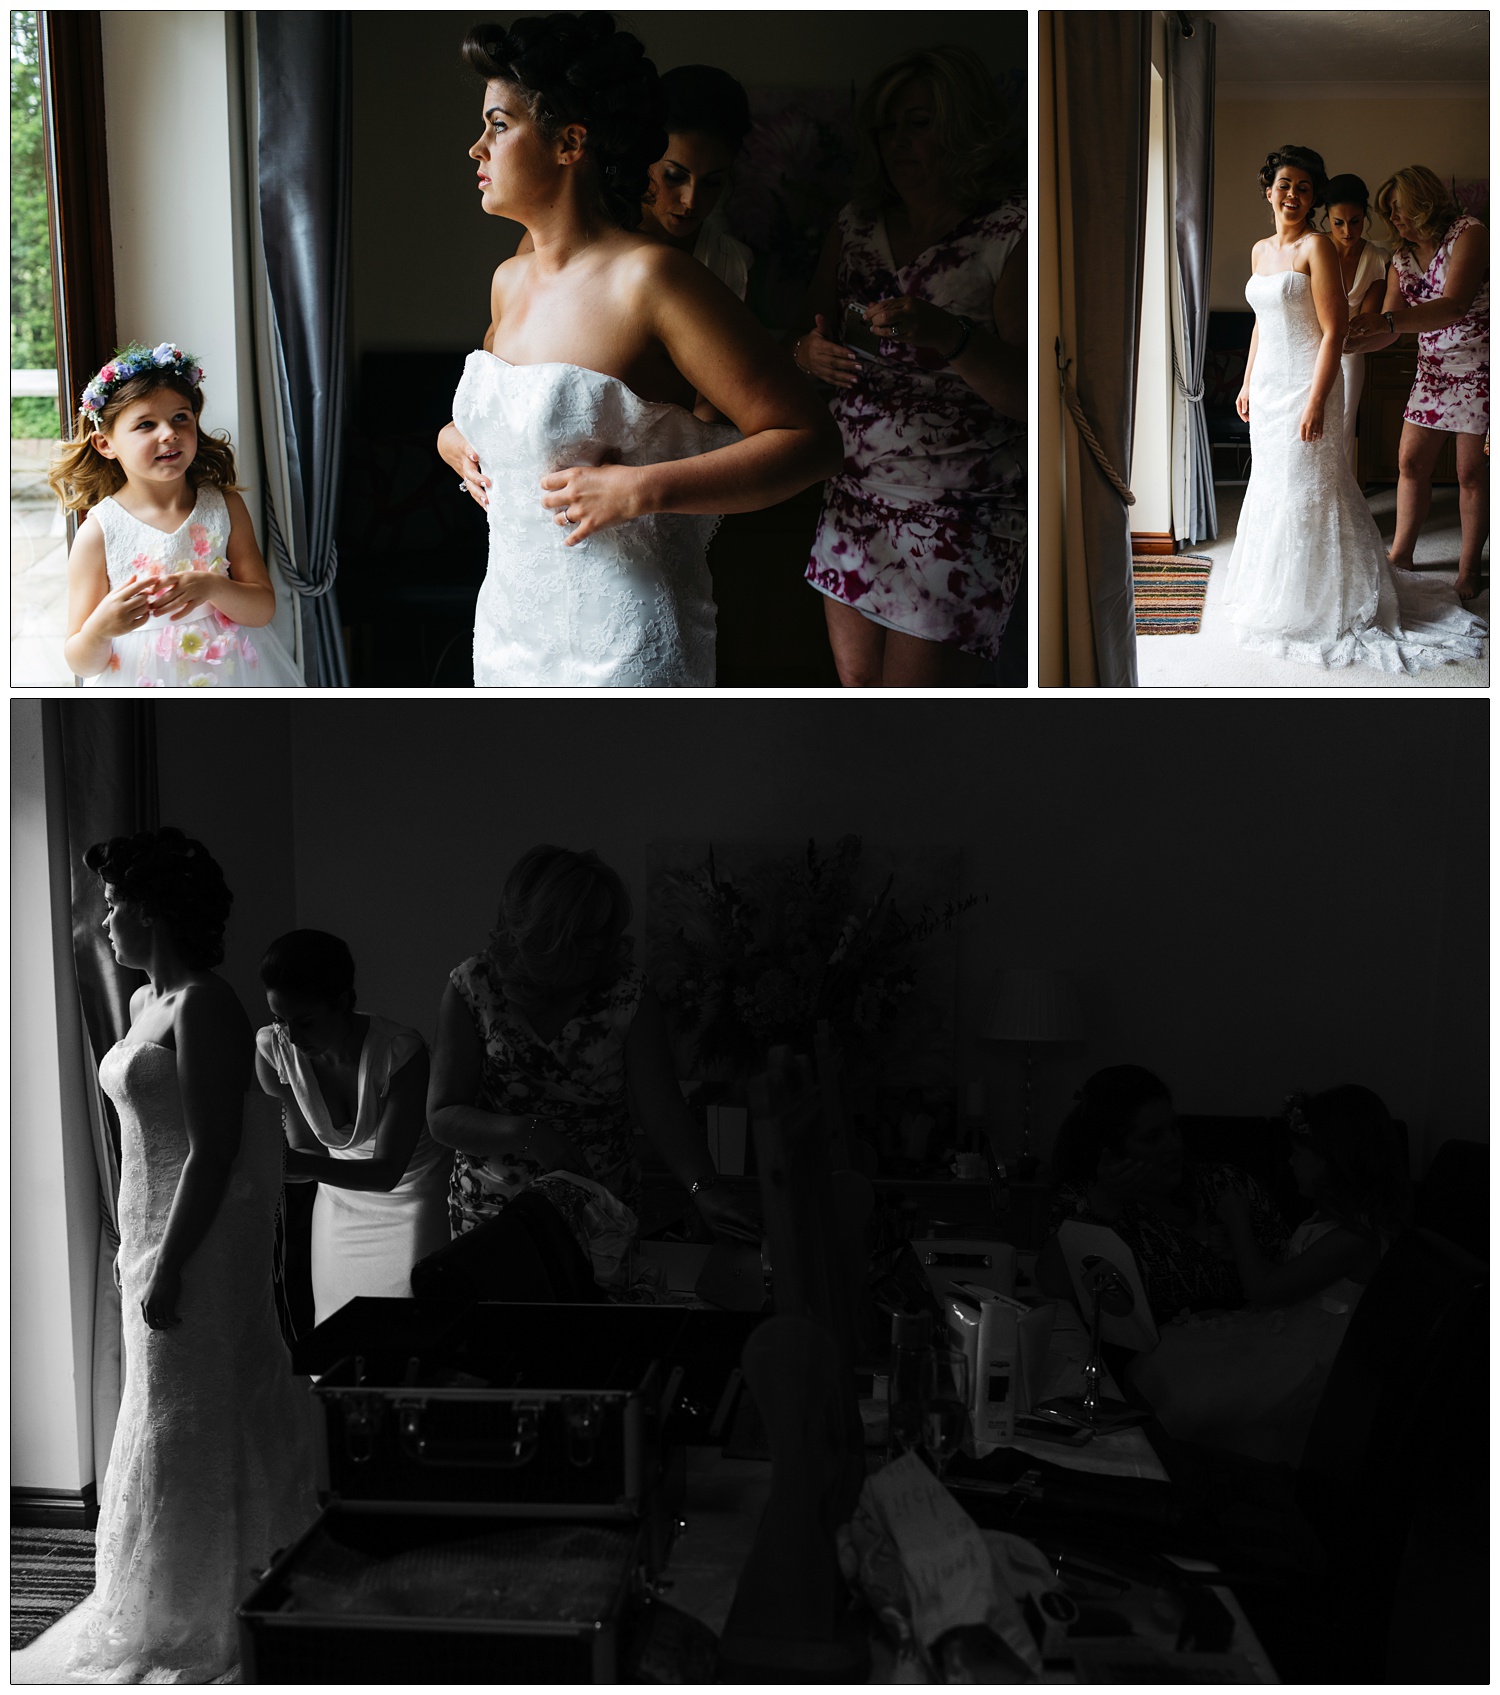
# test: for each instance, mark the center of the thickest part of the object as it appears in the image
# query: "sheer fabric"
(1308, 579)
(630, 607)
(212, 1465)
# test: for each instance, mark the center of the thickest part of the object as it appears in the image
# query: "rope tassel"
(1086, 430)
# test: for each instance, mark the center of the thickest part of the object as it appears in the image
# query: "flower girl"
(165, 580)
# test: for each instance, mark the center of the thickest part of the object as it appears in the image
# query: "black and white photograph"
(511, 1191)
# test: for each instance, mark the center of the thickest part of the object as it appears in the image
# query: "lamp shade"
(1035, 1006)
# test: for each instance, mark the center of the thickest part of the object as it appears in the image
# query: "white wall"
(54, 1206)
(1371, 129)
(1234, 885)
(179, 215)
(1151, 457)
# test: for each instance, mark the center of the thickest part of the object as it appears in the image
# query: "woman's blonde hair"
(563, 917)
(81, 477)
(970, 126)
(1426, 200)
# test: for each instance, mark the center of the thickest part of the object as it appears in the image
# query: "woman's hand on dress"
(820, 356)
(725, 1215)
(1362, 328)
(914, 323)
(587, 498)
(1242, 405)
(457, 453)
(1312, 421)
(159, 1304)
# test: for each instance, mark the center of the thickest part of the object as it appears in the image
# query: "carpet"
(1169, 593)
(51, 1571)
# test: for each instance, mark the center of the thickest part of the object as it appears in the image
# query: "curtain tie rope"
(1193, 397)
(1085, 429)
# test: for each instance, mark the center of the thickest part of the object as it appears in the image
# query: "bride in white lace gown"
(582, 426)
(1308, 578)
(211, 1469)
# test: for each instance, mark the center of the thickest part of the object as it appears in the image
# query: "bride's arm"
(212, 1038)
(1332, 306)
(1242, 399)
(788, 438)
(453, 447)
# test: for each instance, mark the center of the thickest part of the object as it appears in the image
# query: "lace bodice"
(630, 607)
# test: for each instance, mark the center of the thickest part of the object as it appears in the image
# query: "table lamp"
(1033, 1006)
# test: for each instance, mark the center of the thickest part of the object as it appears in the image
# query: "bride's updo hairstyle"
(1104, 1116)
(174, 880)
(579, 69)
(562, 923)
(1298, 159)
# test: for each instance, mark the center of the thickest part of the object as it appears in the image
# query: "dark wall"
(1255, 902)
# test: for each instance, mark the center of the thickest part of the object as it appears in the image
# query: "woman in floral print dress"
(1438, 288)
(547, 1043)
(920, 317)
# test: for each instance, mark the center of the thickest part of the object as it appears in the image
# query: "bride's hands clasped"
(587, 498)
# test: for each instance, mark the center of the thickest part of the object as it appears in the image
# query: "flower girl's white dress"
(204, 649)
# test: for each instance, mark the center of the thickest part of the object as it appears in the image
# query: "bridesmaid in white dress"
(211, 1469)
(354, 1089)
(574, 426)
(1362, 268)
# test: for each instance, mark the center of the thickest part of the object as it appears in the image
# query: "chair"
(1225, 355)
(1396, 1454)
(1454, 1197)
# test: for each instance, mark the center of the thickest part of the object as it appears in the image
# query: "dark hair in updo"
(1298, 159)
(1346, 189)
(577, 68)
(1103, 1118)
(169, 877)
(703, 100)
(311, 963)
(562, 915)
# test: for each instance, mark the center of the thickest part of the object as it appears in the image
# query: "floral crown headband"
(135, 361)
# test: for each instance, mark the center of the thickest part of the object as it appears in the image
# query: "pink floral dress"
(204, 650)
(924, 530)
(1452, 390)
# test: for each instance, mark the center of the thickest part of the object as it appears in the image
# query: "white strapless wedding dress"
(1308, 578)
(212, 1466)
(630, 607)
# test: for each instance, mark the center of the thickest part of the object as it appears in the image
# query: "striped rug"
(51, 1571)
(1169, 591)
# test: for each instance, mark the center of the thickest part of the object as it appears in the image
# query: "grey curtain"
(1190, 106)
(1108, 85)
(101, 755)
(303, 148)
